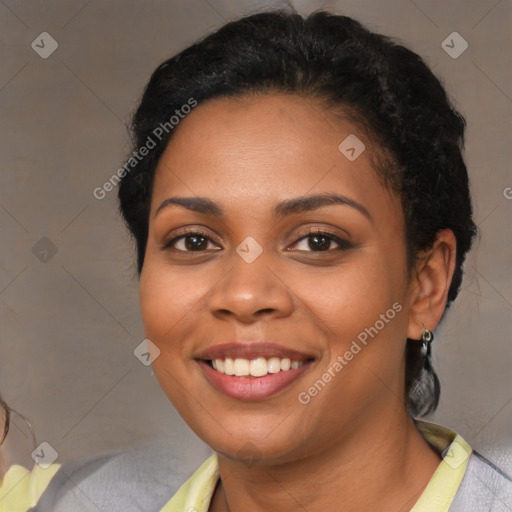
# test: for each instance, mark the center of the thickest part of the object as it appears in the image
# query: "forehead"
(265, 148)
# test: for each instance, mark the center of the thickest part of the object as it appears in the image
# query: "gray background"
(70, 320)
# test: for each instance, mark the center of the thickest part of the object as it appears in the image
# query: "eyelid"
(187, 232)
(342, 243)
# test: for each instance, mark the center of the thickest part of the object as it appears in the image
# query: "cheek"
(361, 308)
(165, 299)
(164, 308)
(352, 296)
(156, 304)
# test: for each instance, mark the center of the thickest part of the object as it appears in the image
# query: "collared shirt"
(197, 492)
(22, 488)
(463, 482)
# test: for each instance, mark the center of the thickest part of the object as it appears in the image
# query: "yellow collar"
(21, 488)
(196, 493)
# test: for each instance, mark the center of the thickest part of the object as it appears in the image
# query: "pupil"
(198, 242)
(323, 245)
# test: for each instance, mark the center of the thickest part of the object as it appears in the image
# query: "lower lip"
(255, 388)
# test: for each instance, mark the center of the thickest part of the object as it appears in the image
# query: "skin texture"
(353, 443)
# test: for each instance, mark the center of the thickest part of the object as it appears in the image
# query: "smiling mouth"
(258, 367)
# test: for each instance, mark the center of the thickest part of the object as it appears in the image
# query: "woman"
(301, 211)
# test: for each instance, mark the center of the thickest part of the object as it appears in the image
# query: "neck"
(374, 468)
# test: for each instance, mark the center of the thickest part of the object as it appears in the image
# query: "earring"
(427, 337)
(424, 390)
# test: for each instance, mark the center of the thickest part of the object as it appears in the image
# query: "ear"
(430, 282)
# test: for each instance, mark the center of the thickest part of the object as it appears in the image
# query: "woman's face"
(258, 281)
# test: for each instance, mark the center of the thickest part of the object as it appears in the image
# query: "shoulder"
(141, 479)
(484, 488)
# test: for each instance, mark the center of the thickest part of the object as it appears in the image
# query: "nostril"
(266, 310)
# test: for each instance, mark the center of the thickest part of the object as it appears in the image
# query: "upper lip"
(251, 350)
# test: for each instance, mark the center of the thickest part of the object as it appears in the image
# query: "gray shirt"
(145, 479)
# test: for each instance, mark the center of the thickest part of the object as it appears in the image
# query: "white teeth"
(274, 365)
(229, 366)
(241, 367)
(258, 367)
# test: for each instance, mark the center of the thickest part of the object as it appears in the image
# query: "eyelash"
(343, 244)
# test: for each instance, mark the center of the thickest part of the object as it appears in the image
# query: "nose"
(250, 291)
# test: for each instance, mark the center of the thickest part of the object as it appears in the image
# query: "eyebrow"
(282, 209)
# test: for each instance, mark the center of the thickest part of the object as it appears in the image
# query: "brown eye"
(320, 241)
(193, 241)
